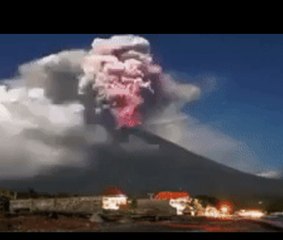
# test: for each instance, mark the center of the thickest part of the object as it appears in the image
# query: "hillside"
(150, 164)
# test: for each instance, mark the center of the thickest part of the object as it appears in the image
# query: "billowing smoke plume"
(45, 111)
(41, 118)
(122, 75)
(117, 70)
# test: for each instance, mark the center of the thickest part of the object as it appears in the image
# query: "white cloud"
(37, 134)
(271, 174)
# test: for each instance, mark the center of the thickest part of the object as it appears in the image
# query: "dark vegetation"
(206, 200)
(31, 193)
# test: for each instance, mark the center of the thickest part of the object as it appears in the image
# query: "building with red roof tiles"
(171, 195)
(113, 199)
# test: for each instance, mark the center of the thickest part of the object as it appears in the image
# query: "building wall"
(87, 205)
(68, 205)
(152, 206)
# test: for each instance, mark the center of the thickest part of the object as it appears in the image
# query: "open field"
(59, 223)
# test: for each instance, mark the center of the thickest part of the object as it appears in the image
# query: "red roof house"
(113, 191)
(171, 195)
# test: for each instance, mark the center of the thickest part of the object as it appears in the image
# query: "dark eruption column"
(117, 72)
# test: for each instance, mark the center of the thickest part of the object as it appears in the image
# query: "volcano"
(140, 162)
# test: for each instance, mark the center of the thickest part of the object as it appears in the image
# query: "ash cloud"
(171, 123)
(44, 118)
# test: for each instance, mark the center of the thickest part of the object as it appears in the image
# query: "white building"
(113, 198)
(114, 202)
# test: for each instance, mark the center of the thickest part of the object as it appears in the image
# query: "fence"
(64, 205)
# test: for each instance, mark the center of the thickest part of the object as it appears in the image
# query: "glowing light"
(223, 212)
(212, 212)
(251, 213)
(224, 209)
(180, 204)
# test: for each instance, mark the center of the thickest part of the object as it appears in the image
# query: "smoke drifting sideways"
(60, 106)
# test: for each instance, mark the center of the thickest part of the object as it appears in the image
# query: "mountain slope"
(140, 162)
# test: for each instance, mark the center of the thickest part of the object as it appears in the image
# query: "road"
(39, 223)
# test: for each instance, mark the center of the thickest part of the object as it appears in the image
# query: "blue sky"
(247, 101)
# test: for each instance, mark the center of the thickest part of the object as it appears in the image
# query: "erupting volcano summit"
(117, 71)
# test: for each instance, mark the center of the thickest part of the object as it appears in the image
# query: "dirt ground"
(41, 223)
(37, 223)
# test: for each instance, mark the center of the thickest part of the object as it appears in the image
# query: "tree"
(206, 200)
(134, 203)
(32, 193)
